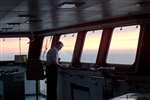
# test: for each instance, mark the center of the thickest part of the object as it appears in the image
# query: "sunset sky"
(126, 39)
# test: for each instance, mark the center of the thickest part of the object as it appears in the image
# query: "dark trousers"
(51, 74)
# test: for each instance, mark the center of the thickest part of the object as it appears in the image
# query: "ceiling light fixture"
(6, 29)
(29, 21)
(13, 23)
(27, 16)
(70, 4)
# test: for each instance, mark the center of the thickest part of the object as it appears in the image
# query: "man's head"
(59, 45)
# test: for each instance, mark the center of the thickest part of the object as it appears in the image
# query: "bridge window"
(123, 45)
(45, 47)
(9, 47)
(91, 45)
(69, 43)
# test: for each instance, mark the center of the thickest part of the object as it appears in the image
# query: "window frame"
(10, 60)
(43, 45)
(73, 47)
(100, 36)
(125, 66)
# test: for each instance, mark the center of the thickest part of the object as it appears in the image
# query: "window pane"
(9, 47)
(123, 45)
(91, 45)
(69, 42)
(45, 47)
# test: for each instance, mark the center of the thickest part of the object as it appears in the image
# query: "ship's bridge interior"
(106, 53)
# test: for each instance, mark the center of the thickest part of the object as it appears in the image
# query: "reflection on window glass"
(91, 45)
(43, 87)
(67, 51)
(9, 47)
(45, 47)
(28, 85)
(123, 45)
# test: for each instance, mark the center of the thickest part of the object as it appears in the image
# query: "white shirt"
(52, 56)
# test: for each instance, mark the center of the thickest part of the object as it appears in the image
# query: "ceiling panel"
(37, 15)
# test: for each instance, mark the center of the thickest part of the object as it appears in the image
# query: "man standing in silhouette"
(51, 70)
